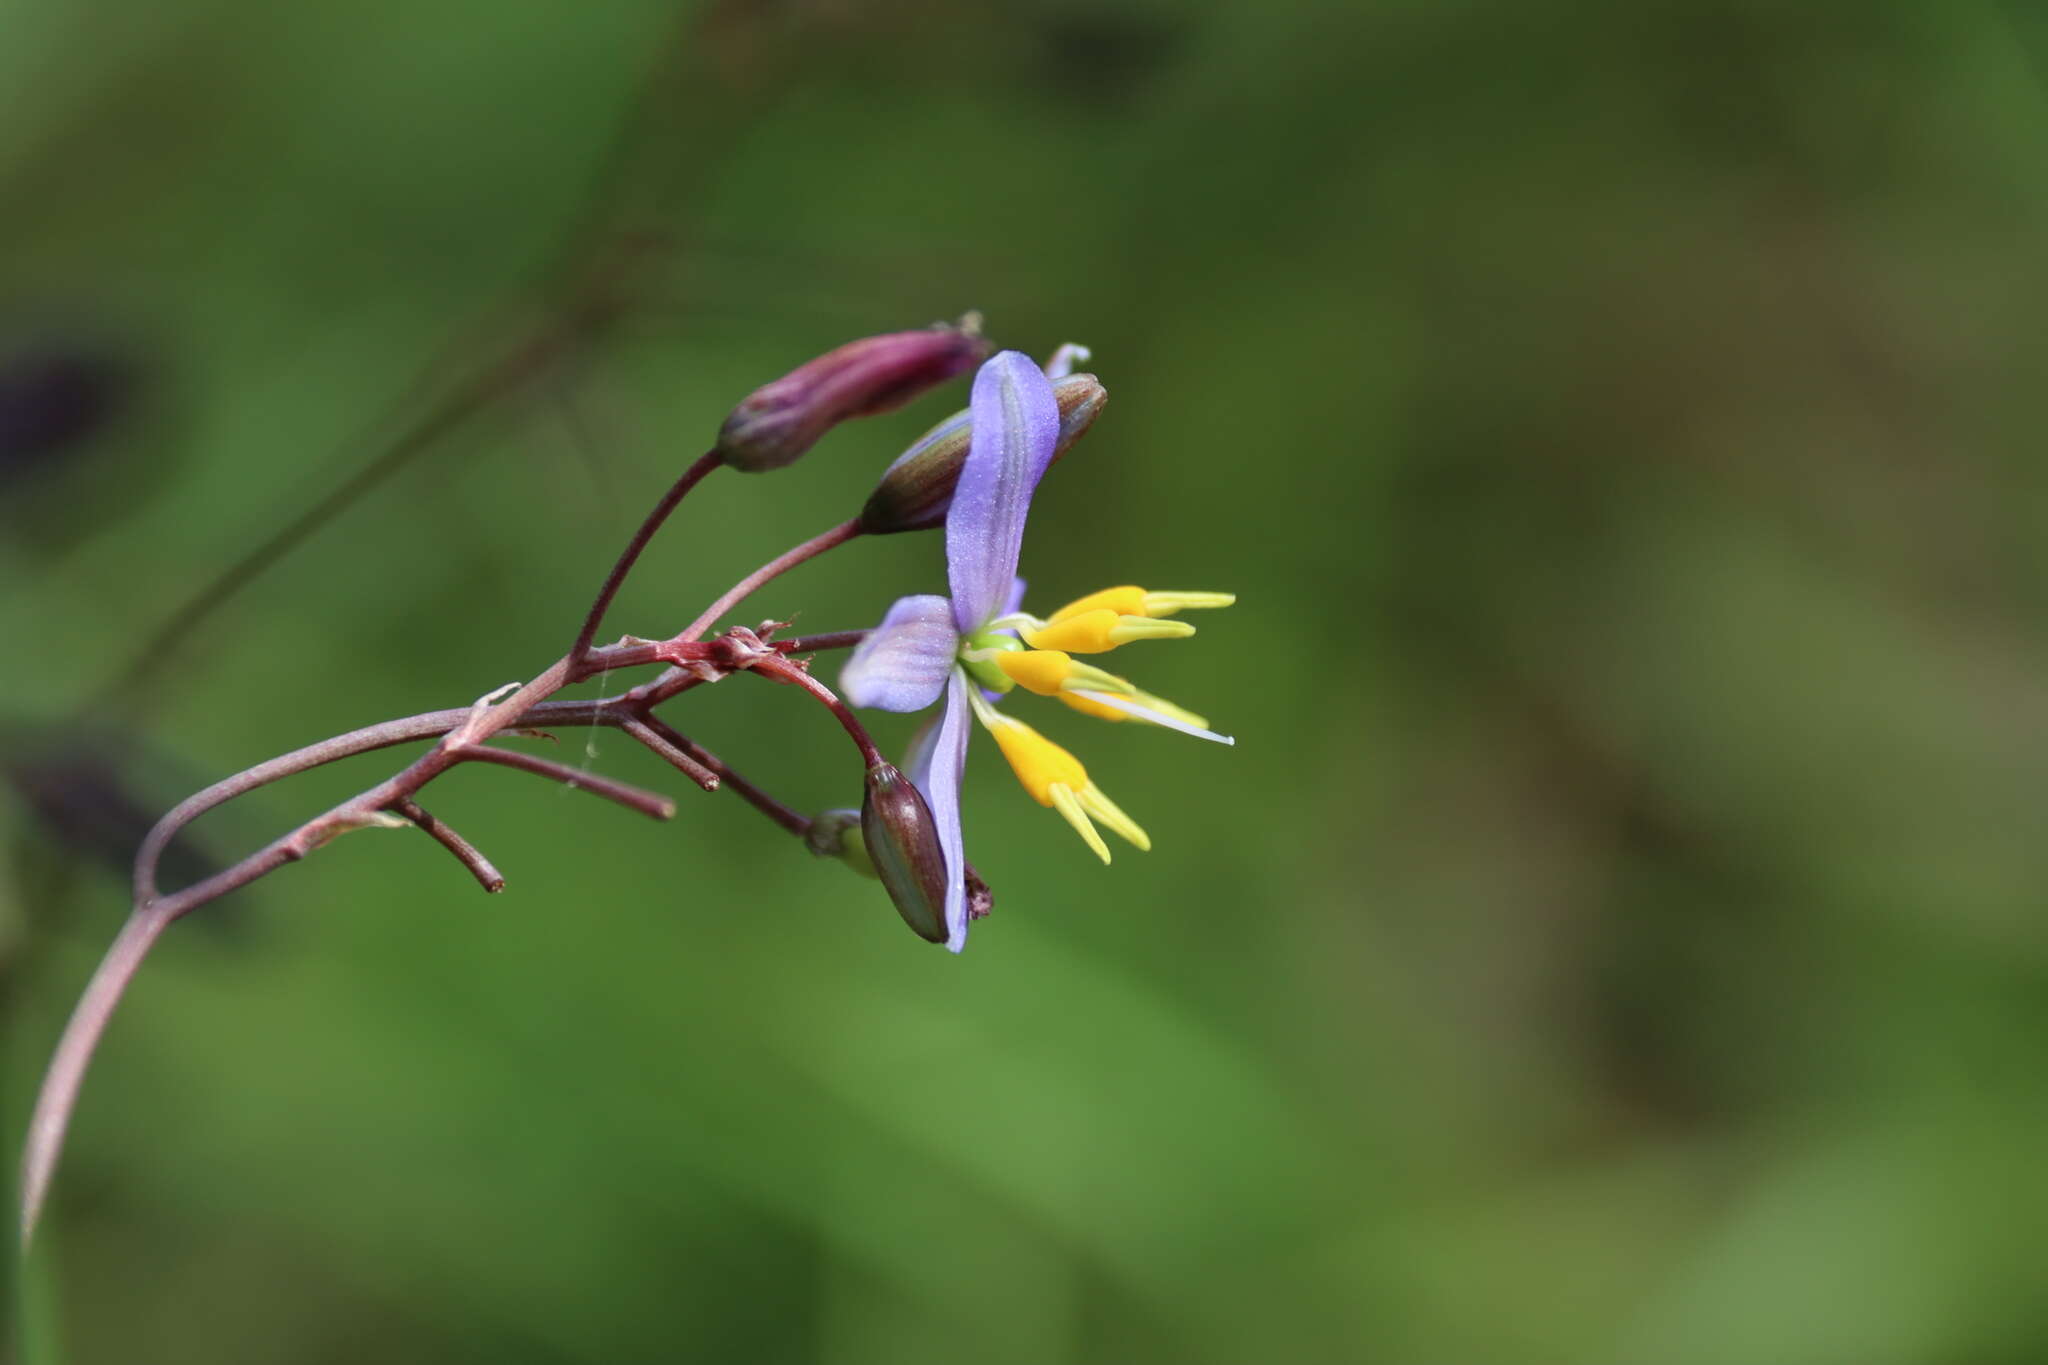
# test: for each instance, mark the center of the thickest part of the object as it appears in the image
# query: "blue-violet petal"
(902, 665)
(1016, 430)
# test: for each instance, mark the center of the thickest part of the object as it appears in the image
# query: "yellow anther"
(1092, 632)
(1039, 763)
(1048, 672)
(1037, 670)
(1132, 601)
(1089, 707)
(1056, 778)
(1082, 633)
(1122, 601)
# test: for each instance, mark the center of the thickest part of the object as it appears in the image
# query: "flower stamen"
(1109, 813)
(1135, 601)
(1068, 805)
(1056, 778)
(1100, 630)
(1049, 673)
(1144, 707)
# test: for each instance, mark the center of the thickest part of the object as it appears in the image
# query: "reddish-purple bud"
(916, 490)
(902, 840)
(776, 423)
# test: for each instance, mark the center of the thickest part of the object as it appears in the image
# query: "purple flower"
(975, 645)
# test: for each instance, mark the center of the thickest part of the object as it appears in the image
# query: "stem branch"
(774, 568)
(784, 671)
(651, 804)
(686, 762)
(465, 852)
(690, 478)
(761, 801)
(812, 644)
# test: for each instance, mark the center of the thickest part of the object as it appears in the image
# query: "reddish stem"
(784, 671)
(465, 852)
(651, 804)
(677, 755)
(774, 568)
(59, 1095)
(761, 801)
(463, 736)
(812, 644)
(706, 462)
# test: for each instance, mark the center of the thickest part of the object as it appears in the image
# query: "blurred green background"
(1617, 937)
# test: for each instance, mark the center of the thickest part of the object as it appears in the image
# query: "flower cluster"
(976, 645)
(975, 472)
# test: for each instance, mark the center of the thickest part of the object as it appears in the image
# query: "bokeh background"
(1618, 935)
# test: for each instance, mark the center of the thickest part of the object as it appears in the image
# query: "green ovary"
(977, 656)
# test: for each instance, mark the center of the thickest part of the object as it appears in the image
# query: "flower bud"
(836, 834)
(903, 840)
(916, 490)
(778, 422)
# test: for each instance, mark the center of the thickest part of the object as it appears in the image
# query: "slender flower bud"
(836, 834)
(917, 489)
(903, 840)
(778, 422)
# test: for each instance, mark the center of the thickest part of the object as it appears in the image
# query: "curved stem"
(774, 568)
(706, 462)
(784, 671)
(426, 725)
(677, 680)
(366, 740)
(153, 913)
(466, 853)
(59, 1095)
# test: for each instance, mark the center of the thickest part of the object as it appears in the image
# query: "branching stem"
(463, 737)
(462, 732)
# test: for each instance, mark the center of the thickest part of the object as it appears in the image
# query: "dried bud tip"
(980, 900)
(776, 423)
(916, 490)
(903, 840)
